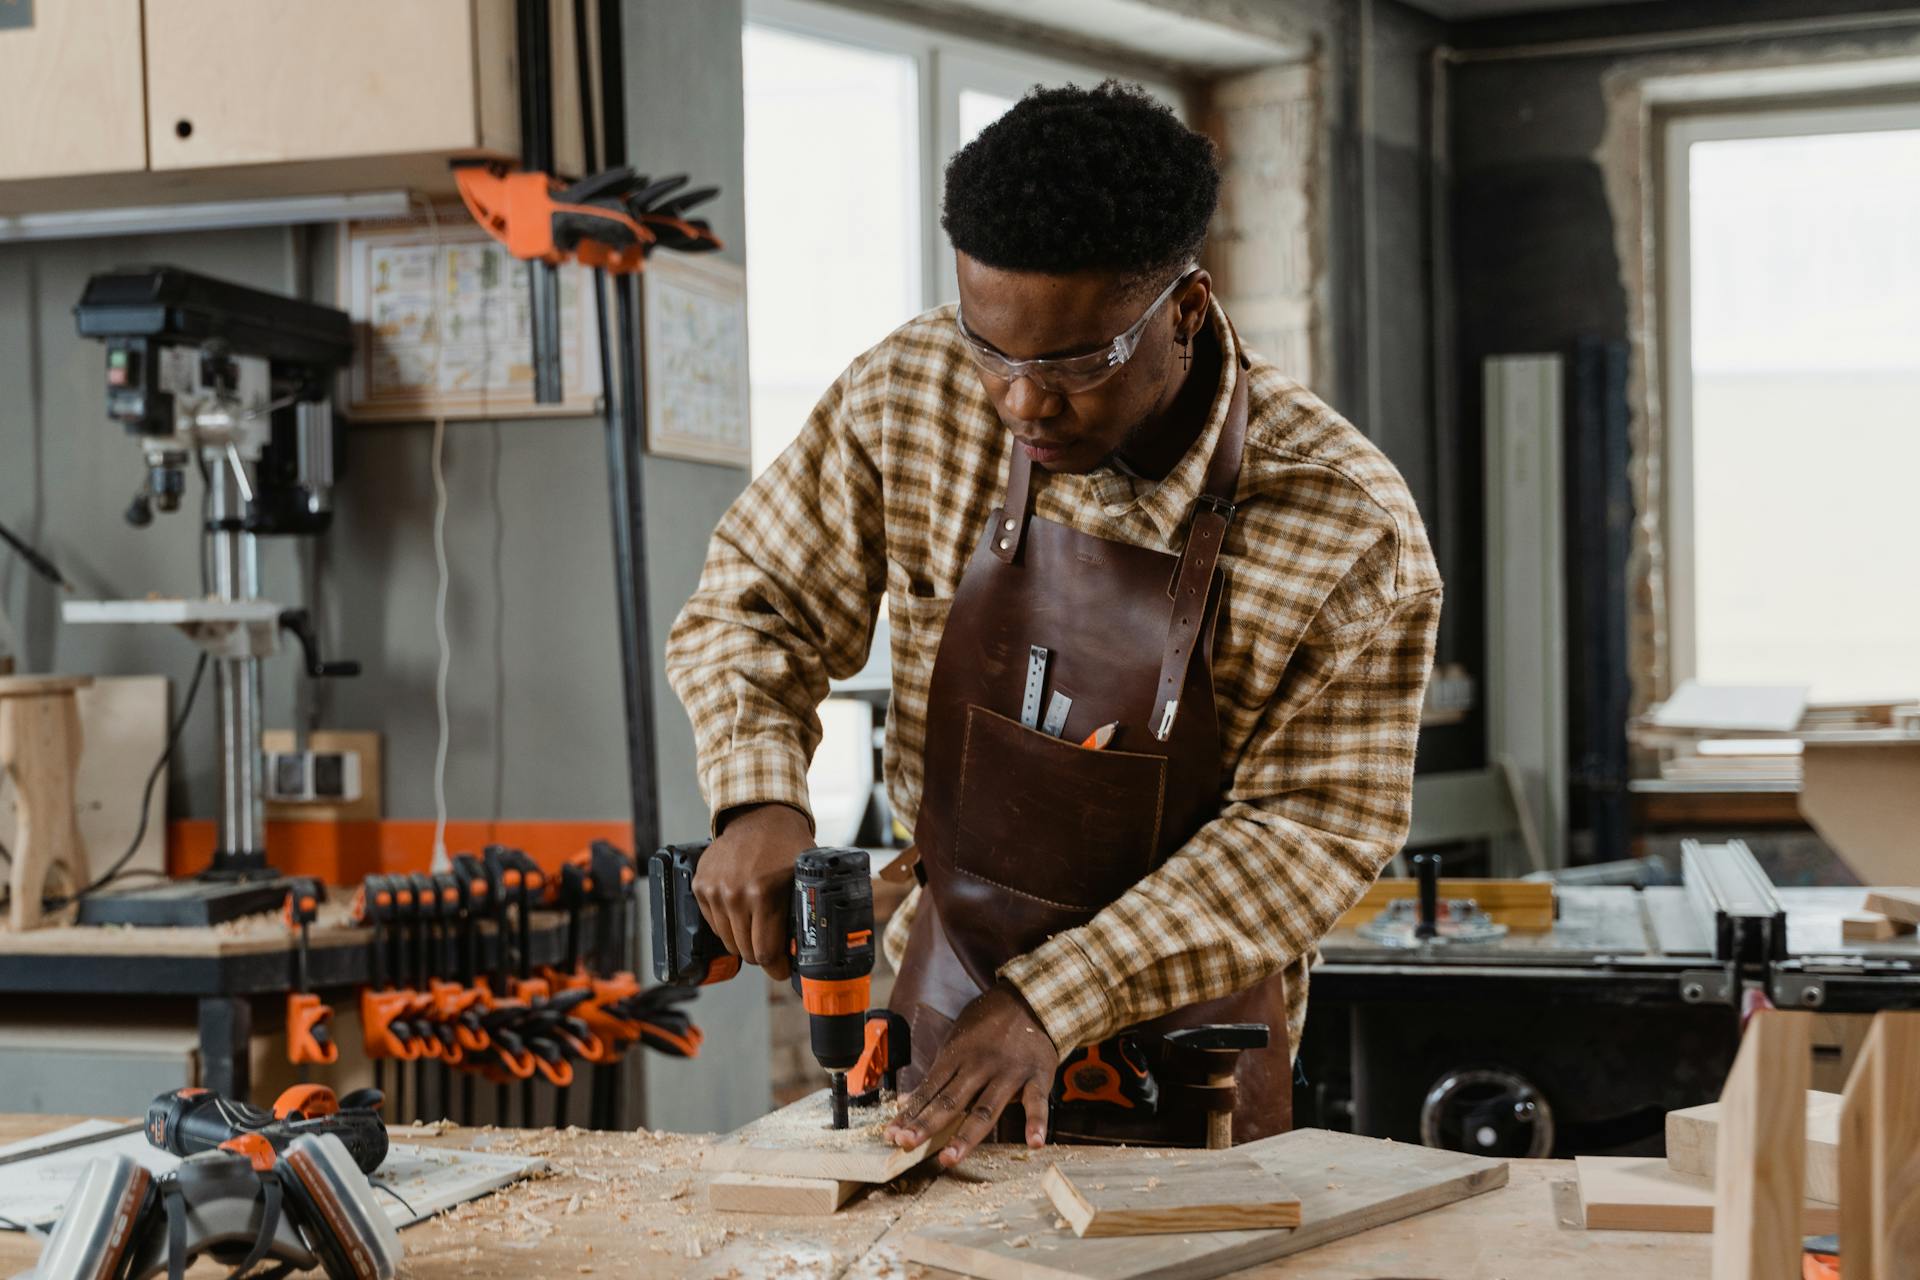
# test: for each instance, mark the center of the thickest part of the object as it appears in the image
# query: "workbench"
(632, 1204)
(224, 968)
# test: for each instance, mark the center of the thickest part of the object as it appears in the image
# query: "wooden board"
(1880, 1153)
(769, 1193)
(1761, 1153)
(1643, 1193)
(1871, 926)
(1524, 906)
(1693, 1137)
(123, 730)
(1902, 905)
(798, 1141)
(1207, 1191)
(1347, 1184)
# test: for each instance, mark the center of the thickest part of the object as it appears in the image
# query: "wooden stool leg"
(40, 750)
(1880, 1154)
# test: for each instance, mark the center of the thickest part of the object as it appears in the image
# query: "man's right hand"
(744, 884)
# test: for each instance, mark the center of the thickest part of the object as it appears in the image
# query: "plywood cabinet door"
(74, 99)
(233, 82)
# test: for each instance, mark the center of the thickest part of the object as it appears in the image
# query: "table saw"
(1578, 1040)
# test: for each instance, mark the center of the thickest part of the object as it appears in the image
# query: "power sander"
(832, 949)
(290, 1185)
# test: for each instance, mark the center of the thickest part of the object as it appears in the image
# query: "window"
(1792, 251)
(850, 121)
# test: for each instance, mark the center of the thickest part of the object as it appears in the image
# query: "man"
(1078, 494)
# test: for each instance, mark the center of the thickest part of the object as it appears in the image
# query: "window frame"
(1679, 131)
(945, 65)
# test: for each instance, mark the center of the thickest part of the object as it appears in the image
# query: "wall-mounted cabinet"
(126, 102)
(297, 80)
(75, 99)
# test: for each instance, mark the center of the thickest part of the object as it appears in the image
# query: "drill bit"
(839, 1079)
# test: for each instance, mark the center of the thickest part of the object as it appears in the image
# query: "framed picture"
(389, 274)
(695, 310)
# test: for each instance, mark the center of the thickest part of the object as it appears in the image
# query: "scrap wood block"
(1760, 1154)
(799, 1141)
(770, 1193)
(1211, 1191)
(1693, 1136)
(1871, 926)
(1346, 1184)
(1880, 1153)
(1645, 1193)
(1524, 906)
(1902, 905)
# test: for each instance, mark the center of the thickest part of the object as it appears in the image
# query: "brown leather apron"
(1022, 835)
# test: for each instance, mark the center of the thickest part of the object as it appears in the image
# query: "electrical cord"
(441, 860)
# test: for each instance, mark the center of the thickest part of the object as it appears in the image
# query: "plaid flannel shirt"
(1321, 656)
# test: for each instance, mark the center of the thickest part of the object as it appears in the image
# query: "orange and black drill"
(832, 951)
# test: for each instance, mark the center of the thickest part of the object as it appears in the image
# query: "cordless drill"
(832, 947)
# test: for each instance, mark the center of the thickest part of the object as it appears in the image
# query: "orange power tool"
(832, 953)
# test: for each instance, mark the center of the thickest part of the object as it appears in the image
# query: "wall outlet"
(313, 777)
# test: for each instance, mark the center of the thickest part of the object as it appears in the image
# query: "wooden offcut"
(1524, 906)
(1871, 926)
(771, 1193)
(799, 1141)
(1644, 1193)
(1347, 1185)
(1197, 1192)
(1902, 905)
(1880, 1154)
(1760, 1159)
(1693, 1137)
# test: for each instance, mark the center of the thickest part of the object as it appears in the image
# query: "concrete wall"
(534, 695)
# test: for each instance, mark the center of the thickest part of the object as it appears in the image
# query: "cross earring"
(1186, 351)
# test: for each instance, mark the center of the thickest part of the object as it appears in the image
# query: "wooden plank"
(1644, 1193)
(768, 1193)
(1880, 1154)
(1761, 1152)
(1864, 800)
(799, 1141)
(1902, 905)
(1211, 1191)
(1347, 1184)
(1693, 1138)
(1524, 906)
(1871, 926)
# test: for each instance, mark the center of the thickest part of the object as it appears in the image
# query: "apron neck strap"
(1222, 481)
(1206, 537)
(1012, 530)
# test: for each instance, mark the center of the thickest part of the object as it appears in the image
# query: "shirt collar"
(1166, 504)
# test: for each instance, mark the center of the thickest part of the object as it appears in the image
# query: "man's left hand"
(998, 1052)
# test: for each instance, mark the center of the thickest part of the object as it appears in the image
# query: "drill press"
(236, 383)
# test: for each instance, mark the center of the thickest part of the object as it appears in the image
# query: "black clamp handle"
(300, 623)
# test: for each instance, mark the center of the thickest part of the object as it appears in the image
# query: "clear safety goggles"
(1068, 375)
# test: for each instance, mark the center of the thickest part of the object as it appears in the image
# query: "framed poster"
(695, 310)
(390, 271)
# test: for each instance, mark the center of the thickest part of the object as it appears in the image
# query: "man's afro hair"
(1074, 179)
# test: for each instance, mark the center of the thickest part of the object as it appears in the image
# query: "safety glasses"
(1068, 375)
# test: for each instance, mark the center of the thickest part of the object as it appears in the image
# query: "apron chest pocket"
(1052, 821)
